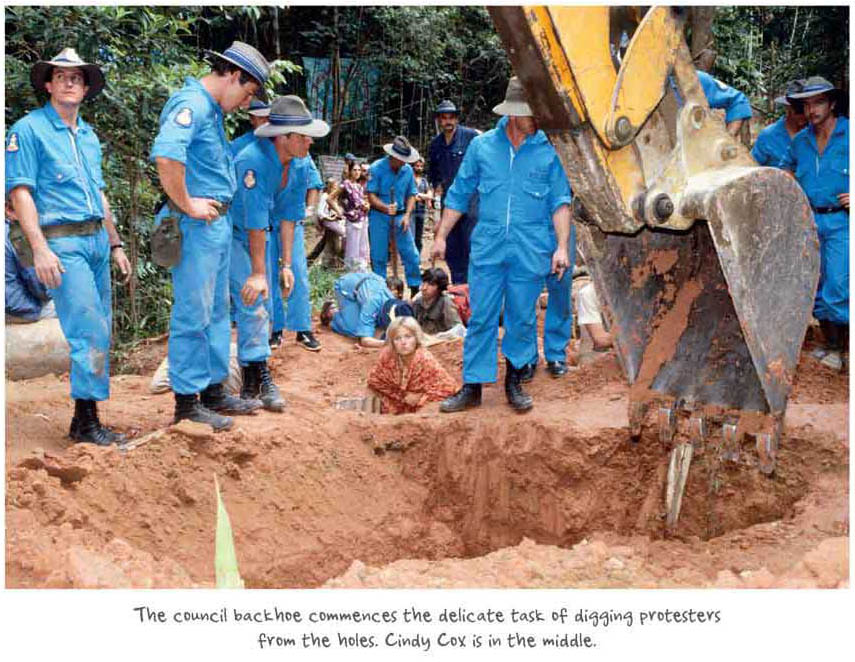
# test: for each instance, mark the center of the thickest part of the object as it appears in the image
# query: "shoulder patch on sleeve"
(249, 179)
(184, 117)
(13, 143)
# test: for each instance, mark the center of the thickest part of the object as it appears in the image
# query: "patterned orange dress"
(424, 376)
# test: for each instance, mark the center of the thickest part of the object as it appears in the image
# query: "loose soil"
(556, 497)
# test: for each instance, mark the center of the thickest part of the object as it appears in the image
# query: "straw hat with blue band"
(249, 60)
(401, 149)
(810, 87)
(793, 86)
(446, 106)
(289, 114)
(67, 58)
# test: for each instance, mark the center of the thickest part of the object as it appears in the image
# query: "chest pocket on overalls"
(492, 204)
(60, 173)
(535, 198)
(839, 160)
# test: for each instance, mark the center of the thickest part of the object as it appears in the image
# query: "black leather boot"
(527, 372)
(86, 428)
(187, 407)
(517, 398)
(249, 385)
(466, 397)
(215, 398)
(267, 390)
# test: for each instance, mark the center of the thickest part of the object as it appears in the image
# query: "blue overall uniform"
(259, 173)
(360, 298)
(558, 323)
(445, 159)
(290, 206)
(380, 183)
(241, 141)
(772, 145)
(512, 245)
(191, 132)
(25, 294)
(62, 170)
(823, 177)
(732, 101)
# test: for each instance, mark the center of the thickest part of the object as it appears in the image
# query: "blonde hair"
(408, 323)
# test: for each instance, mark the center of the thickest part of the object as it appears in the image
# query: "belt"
(829, 210)
(82, 229)
(224, 207)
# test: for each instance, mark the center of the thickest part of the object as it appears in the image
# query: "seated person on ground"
(407, 376)
(27, 299)
(434, 309)
(590, 317)
(363, 306)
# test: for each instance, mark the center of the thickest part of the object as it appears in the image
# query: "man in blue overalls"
(774, 141)
(819, 158)
(363, 305)
(55, 184)
(197, 173)
(445, 154)
(392, 188)
(258, 112)
(297, 204)
(523, 189)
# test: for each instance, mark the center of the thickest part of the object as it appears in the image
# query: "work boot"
(249, 382)
(187, 407)
(527, 372)
(264, 387)
(517, 398)
(215, 398)
(307, 340)
(86, 428)
(275, 339)
(466, 397)
(556, 368)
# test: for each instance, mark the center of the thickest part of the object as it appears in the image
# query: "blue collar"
(57, 122)
(196, 83)
(538, 137)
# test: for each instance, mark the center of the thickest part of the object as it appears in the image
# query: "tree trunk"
(703, 42)
(338, 92)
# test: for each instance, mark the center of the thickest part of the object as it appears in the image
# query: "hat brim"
(782, 101)
(260, 112)
(412, 158)
(317, 129)
(260, 93)
(39, 72)
(513, 108)
(807, 95)
(446, 112)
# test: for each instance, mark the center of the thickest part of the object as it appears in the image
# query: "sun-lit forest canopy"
(371, 72)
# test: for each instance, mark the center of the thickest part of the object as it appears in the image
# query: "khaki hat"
(515, 102)
(249, 60)
(258, 108)
(289, 114)
(401, 149)
(67, 58)
(810, 88)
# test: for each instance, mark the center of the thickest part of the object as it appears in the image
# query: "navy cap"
(446, 106)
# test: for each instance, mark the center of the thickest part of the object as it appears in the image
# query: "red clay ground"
(318, 495)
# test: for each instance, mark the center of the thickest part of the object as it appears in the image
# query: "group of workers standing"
(231, 228)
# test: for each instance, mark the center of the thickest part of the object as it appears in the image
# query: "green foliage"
(225, 559)
(321, 283)
(760, 48)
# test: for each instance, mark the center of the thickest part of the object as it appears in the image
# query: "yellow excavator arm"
(707, 264)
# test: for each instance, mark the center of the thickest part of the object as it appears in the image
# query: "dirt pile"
(317, 493)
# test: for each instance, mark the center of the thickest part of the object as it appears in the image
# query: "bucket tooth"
(732, 441)
(667, 424)
(678, 472)
(767, 449)
(698, 431)
(637, 414)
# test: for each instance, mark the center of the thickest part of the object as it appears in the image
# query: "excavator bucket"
(707, 264)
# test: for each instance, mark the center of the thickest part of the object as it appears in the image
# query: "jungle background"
(371, 72)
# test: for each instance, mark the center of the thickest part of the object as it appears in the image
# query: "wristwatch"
(113, 247)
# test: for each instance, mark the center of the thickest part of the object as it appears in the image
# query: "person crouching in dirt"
(434, 309)
(54, 182)
(523, 189)
(363, 306)
(407, 376)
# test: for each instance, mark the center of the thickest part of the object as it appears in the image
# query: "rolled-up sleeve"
(559, 187)
(178, 127)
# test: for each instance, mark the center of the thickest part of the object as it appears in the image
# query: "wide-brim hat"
(67, 58)
(249, 60)
(289, 114)
(258, 108)
(402, 150)
(446, 106)
(515, 102)
(810, 87)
